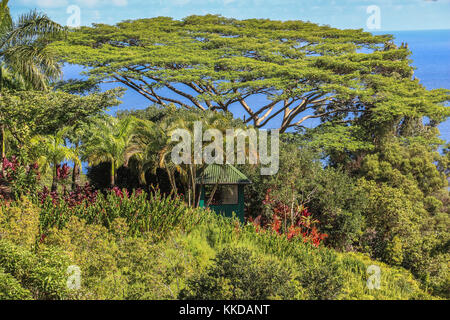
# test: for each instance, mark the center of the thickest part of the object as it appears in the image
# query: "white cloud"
(120, 3)
(81, 3)
(45, 3)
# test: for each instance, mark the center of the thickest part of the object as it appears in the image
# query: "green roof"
(222, 174)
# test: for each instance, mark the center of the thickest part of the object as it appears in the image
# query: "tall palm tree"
(26, 62)
(108, 140)
(53, 151)
(150, 145)
(76, 135)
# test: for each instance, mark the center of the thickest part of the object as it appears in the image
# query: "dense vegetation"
(366, 187)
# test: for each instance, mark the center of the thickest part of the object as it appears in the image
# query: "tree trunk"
(55, 181)
(2, 170)
(75, 176)
(3, 141)
(192, 182)
(113, 174)
(172, 181)
(212, 195)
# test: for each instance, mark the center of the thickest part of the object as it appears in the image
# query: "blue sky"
(394, 14)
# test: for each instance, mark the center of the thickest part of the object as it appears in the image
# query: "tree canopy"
(291, 71)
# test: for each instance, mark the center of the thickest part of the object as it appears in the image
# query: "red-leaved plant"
(291, 222)
(16, 178)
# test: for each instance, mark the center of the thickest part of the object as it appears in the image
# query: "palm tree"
(151, 146)
(26, 62)
(76, 135)
(53, 151)
(107, 141)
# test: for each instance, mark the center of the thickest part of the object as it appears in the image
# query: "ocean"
(430, 56)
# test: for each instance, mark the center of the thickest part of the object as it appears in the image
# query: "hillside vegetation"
(213, 258)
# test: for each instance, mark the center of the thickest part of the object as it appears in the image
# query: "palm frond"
(32, 26)
(35, 63)
(6, 21)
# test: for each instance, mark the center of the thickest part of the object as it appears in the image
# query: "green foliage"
(43, 274)
(300, 70)
(116, 265)
(24, 51)
(321, 276)
(329, 194)
(371, 172)
(36, 112)
(108, 141)
(19, 223)
(237, 274)
(18, 179)
(142, 212)
(10, 288)
(332, 138)
(405, 164)
(401, 232)
(339, 205)
(317, 273)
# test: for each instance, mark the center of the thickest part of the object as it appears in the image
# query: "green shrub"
(214, 258)
(143, 212)
(321, 275)
(43, 274)
(239, 274)
(10, 288)
(330, 194)
(115, 265)
(321, 272)
(19, 222)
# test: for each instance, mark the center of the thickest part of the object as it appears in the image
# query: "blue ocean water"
(431, 57)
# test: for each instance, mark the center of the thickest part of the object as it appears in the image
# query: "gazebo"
(226, 185)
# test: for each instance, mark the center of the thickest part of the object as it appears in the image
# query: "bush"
(217, 259)
(400, 232)
(330, 195)
(19, 222)
(143, 212)
(44, 274)
(321, 275)
(115, 265)
(10, 288)
(239, 274)
(17, 179)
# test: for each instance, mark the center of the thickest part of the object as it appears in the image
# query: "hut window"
(225, 194)
(230, 194)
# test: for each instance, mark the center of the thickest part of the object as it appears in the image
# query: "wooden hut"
(222, 186)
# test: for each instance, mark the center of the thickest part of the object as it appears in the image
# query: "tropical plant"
(17, 179)
(152, 145)
(26, 61)
(52, 150)
(107, 141)
(142, 212)
(239, 274)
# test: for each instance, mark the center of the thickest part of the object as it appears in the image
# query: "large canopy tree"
(285, 72)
